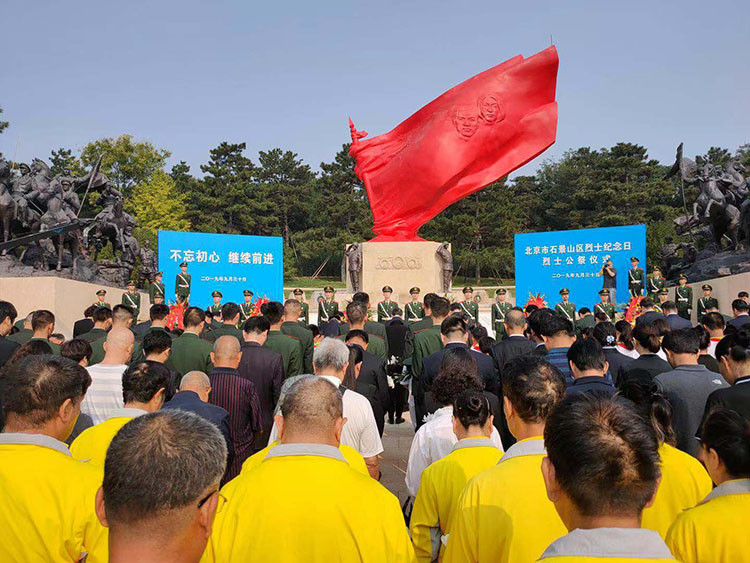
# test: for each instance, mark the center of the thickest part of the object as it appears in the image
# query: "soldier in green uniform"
(304, 317)
(500, 308)
(189, 351)
(706, 302)
(386, 306)
(215, 309)
(230, 317)
(565, 307)
(246, 308)
(327, 307)
(663, 297)
(426, 341)
(182, 283)
(683, 295)
(468, 305)
(292, 327)
(413, 310)
(636, 279)
(132, 299)
(288, 346)
(655, 284)
(156, 290)
(605, 306)
(100, 302)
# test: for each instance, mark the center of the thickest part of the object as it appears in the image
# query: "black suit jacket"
(396, 330)
(265, 369)
(676, 322)
(617, 362)
(82, 327)
(649, 316)
(740, 321)
(191, 402)
(736, 398)
(373, 384)
(643, 369)
(7, 348)
(485, 365)
(509, 348)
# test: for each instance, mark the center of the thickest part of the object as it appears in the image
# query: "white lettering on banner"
(589, 247)
(546, 261)
(201, 256)
(537, 249)
(234, 258)
(246, 258)
(561, 249)
(268, 258)
(617, 247)
(626, 246)
(581, 260)
(593, 259)
(189, 256)
(579, 248)
(213, 257)
(528, 251)
(569, 261)
(597, 247)
(257, 258)
(558, 261)
(553, 249)
(545, 250)
(175, 255)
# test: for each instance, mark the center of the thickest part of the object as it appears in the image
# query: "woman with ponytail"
(733, 355)
(625, 340)
(684, 481)
(443, 481)
(716, 529)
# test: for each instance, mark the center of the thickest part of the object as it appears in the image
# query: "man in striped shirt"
(558, 335)
(105, 394)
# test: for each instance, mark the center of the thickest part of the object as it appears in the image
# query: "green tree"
(63, 160)
(715, 155)
(3, 126)
(126, 162)
(157, 204)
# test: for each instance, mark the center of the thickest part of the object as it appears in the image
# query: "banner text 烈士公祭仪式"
(548, 262)
(228, 263)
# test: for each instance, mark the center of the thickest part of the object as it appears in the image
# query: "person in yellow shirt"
(304, 502)
(716, 530)
(161, 487)
(443, 481)
(601, 471)
(143, 387)
(684, 481)
(503, 513)
(352, 457)
(47, 497)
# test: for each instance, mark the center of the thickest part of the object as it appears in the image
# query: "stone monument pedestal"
(401, 265)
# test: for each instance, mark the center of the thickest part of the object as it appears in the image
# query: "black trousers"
(399, 397)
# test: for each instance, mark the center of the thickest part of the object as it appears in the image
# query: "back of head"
(119, 339)
(292, 308)
(652, 406)
(356, 355)
(156, 342)
(605, 456)
(605, 334)
(727, 432)
(584, 311)
(429, 299)
(256, 325)
(76, 350)
(535, 319)
(647, 303)
(533, 386)
(515, 320)
(471, 408)
(454, 328)
(361, 297)
(704, 337)
(669, 307)
(42, 319)
(226, 348)
(741, 306)
(530, 308)
(625, 334)
(193, 317)
(331, 354)
(586, 354)
(142, 380)
(312, 406)
(356, 312)
(7, 310)
(458, 373)
(195, 381)
(35, 387)
(736, 346)
(357, 334)
(102, 314)
(713, 321)
(88, 312)
(682, 341)
(440, 307)
(158, 312)
(555, 325)
(647, 335)
(158, 467)
(273, 311)
(122, 315)
(229, 311)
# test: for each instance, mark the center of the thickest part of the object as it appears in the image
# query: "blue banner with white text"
(548, 262)
(227, 263)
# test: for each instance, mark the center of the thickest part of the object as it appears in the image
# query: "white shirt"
(104, 396)
(433, 441)
(712, 346)
(360, 430)
(629, 353)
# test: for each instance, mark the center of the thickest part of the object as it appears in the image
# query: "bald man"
(105, 394)
(195, 390)
(236, 394)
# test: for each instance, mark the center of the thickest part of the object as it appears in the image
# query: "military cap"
(158, 274)
(663, 291)
(683, 277)
(387, 288)
(634, 259)
(183, 265)
(501, 291)
(216, 293)
(657, 269)
(102, 292)
(298, 291)
(604, 291)
(566, 291)
(328, 288)
(468, 288)
(414, 289)
(246, 292)
(131, 283)
(707, 287)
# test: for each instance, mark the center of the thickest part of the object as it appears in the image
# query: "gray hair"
(312, 404)
(195, 380)
(515, 319)
(331, 353)
(161, 461)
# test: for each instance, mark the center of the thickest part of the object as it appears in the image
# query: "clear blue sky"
(187, 75)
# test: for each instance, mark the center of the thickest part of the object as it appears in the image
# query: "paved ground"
(396, 442)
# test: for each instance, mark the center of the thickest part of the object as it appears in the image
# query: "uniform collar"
(741, 380)
(473, 443)
(636, 543)
(126, 412)
(529, 446)
(34, 440)
(320, 450)
(733, 487)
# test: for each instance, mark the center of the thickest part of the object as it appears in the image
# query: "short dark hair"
(740, 305)
(76, 350)
(552, 325)
(122, 313)
(429, 299)
(535, 318)
(273, 311)
(362, 297)
(713, 321)
(142, 380)
(193, 317)
(743, 294)
(530, 308)
(229, 311)
(626, 334)
(7, 310)
(605, 334)
(458, 373)
(682, 341)
(584, 311)
(471, 408)
(727, 432)
(736, 346)
(606, 457)
(88, 312)
(669, 306)
(314, 329)
(601, 316)
(356, 333)
(156, 342)
(533, 386)
(485, 344)
(647, 302)
(648, 336)
(35, 387)
(163, 460)
(41, 319)
(440, 307)
(455, 308)
(158, 312)
(704, 338)
(102, 314)
(586, 354)
(356, 312)
(453, 325)
(256, 325)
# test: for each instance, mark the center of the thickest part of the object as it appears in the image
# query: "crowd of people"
(560, 439)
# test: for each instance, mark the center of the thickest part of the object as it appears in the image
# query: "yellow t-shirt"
(352, 456)
(504, 513)
(48, 501)
(439, 489)
(684, 483)
(716, 529)
(304, 503)
(91, 444)
(613, 545)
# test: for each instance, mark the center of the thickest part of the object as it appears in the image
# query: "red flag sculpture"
(471, 136)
